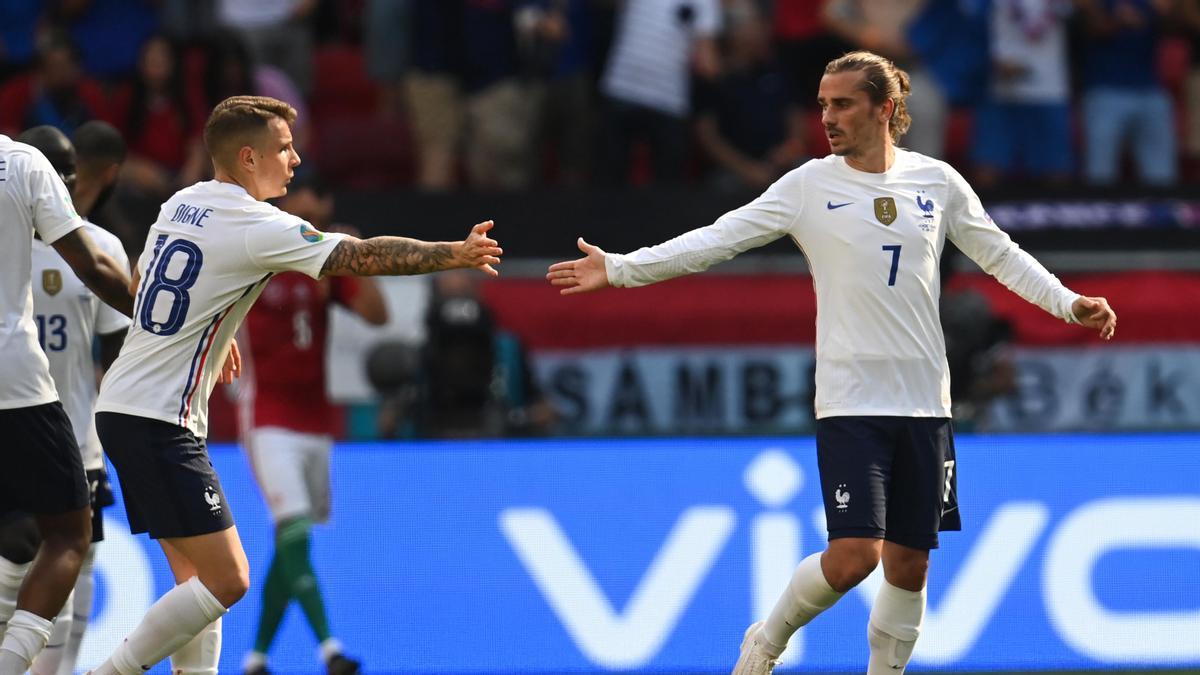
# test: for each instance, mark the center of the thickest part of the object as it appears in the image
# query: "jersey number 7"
(895, 249)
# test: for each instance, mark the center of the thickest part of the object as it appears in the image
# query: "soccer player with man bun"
(871, 219)
(211, 252)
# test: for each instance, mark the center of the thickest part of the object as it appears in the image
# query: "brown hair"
(882, 81)
(236, 121)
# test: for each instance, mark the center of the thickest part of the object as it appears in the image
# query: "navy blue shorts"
(167, 481)
(43, 472)
(891, 478)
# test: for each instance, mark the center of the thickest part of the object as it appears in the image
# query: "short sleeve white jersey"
(873, 242)
(32, 197)
(207, 258)
(68, 317)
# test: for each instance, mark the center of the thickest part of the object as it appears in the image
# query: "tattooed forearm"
(388, 256)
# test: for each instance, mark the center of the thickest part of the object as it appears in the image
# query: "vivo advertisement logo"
(590, 556)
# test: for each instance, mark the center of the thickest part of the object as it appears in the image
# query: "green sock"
(275, 599)
(291, 549)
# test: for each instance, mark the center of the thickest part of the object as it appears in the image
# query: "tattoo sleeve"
(387, 256)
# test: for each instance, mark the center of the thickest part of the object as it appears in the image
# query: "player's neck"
(877, 159)
(84, 199)
(223, 176)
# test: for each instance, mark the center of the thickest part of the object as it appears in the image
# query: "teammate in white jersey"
(43, 473)
(871, 219)
(69, 319)
(208, 256)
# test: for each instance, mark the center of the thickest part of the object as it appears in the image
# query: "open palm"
(582, 275)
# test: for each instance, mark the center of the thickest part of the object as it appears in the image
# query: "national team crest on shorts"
(214, 500)
(885, 210)
(52, 281)
(310, 235)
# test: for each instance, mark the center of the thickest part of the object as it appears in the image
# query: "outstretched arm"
(394, 256)
(96, 269)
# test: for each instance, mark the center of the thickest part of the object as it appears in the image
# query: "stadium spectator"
(277, 32)
(749, 122)
(56, 92)
(647, 82)
(387, 41)
(1125, 106)
(803, 41)
(882, 26)
(18, 32)
(433, 91)
(109, 33)
(556, 46)
(162, 121)
(500, 107)
(1189, 15)
(1023, 126)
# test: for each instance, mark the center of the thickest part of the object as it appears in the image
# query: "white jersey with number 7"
(873, 242)
(207, 258)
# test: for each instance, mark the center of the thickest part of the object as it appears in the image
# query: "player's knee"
(230, 585)
(849, 565)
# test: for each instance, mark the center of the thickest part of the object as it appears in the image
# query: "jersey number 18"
(175, 288)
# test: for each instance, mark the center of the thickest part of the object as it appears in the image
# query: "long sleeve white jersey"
(32, 196)
(207, 258)
(68, 317)
(873, 242)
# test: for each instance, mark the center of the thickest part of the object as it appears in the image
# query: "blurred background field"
(511, 464)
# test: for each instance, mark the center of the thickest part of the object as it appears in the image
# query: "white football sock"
(202, 655)
(807, 595)
(329, 649)
(169, 624)
(26, 636)
(47, 662)
(253, 661)
(893, 629)
(85, 588)
(11, 576)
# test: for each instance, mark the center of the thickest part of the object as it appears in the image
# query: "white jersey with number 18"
(873, 242)
(207, 257)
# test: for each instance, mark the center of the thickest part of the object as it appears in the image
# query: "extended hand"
(1095, 313)
(480, 251)
(233, 365)
(582, 275)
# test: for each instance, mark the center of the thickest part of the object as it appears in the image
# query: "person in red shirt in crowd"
(162, 120)
(288, 425)
(56, 92)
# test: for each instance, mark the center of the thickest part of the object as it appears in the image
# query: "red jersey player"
(288, 425)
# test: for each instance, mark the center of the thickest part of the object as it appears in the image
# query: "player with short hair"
(43, 473)
(283, 344)
(209, 255)
(69, 318)
(871, 219)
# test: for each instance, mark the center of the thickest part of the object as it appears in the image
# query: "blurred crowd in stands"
(513, 94)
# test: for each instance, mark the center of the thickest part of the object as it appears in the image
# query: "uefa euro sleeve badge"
(52, 281)
(885, 210)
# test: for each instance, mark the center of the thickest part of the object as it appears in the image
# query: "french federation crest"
(52, 281)
(885, 210)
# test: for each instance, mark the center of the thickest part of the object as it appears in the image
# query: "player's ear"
(246, 157)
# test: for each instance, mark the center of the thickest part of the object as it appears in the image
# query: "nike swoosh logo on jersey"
(831, 206)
